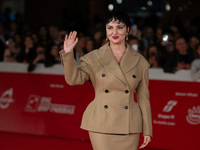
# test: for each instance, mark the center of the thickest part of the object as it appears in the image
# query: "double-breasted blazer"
(113, 109)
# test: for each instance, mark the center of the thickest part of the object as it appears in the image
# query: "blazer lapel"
(129, 60)
(107, 59)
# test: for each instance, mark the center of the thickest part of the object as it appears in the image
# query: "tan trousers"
(101, 141)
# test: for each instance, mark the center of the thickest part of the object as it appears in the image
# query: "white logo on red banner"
(169, 106)
(163, 117)
(36, 103)
(193, 116)
(32, 104)
(6, 99)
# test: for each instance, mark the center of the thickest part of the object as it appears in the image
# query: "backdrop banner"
(43, 104)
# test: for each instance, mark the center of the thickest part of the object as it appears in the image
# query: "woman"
(27, 53)
(89, 46)
(195, 67)
(113, 119)
(152, 55)
(52, 56)
(193, 41)
(11, 51)
(38, 58)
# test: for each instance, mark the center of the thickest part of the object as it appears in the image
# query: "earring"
(106, 38)
(126, 37)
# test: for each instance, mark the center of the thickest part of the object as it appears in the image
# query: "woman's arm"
(73, 74)
(142, 93)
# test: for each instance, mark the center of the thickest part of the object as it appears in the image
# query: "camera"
(165, 38)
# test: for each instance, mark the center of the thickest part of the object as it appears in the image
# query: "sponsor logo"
(164, 123)
(167, 118)
(32, 103)
(169, 106)
(56, 86)
(6, 98)
(193, 116)
(36, 103)
(187, 94)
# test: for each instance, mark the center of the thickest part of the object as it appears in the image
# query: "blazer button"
(126, 91)
(106, 91)
(106, 106)
(126, 107)
(103, 75)
(134, 76)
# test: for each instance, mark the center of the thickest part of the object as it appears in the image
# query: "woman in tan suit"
(114, 120)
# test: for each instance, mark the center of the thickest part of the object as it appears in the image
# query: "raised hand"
(70, 41)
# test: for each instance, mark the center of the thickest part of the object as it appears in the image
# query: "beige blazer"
(113, 109)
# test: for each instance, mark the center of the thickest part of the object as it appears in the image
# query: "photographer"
(181, 58)
(11, 51)
(39, 58)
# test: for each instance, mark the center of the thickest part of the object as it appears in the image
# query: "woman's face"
(54, 51)
(10, 43)
(193, 41)
(89, 45)
(153, 51)
(170, 46)
(81, 42)
(28, 42)
(116, 31)
(43, 31)
(17, 38)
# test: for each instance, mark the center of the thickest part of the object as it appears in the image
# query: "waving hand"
(70, 41)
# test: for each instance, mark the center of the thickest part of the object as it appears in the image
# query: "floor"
(10, 141)
(15, 141)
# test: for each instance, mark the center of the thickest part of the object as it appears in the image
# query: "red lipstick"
(115, 37)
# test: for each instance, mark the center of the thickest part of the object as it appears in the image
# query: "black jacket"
(176, 57)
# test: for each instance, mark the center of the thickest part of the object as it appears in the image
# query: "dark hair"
(117, 15)
(146, 52)
(197, 47)
(178, 38)
(131, 37)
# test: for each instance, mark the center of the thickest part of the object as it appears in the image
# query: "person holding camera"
(181, 58)
(27, 52)
(39, 58)
(11, 51)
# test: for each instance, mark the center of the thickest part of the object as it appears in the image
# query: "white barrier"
(154, 73)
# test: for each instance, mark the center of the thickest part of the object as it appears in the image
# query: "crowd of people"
(163, 46)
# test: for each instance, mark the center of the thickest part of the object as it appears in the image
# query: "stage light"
(143, 8)
(119, 1)
(149, 3)
(110, 7)
(167, 7)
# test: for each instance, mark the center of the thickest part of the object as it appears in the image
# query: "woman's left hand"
(147, 139)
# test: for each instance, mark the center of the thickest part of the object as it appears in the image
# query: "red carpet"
(15, 141)
(11, 141)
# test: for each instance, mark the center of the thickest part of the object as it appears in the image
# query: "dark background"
(86, 13)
